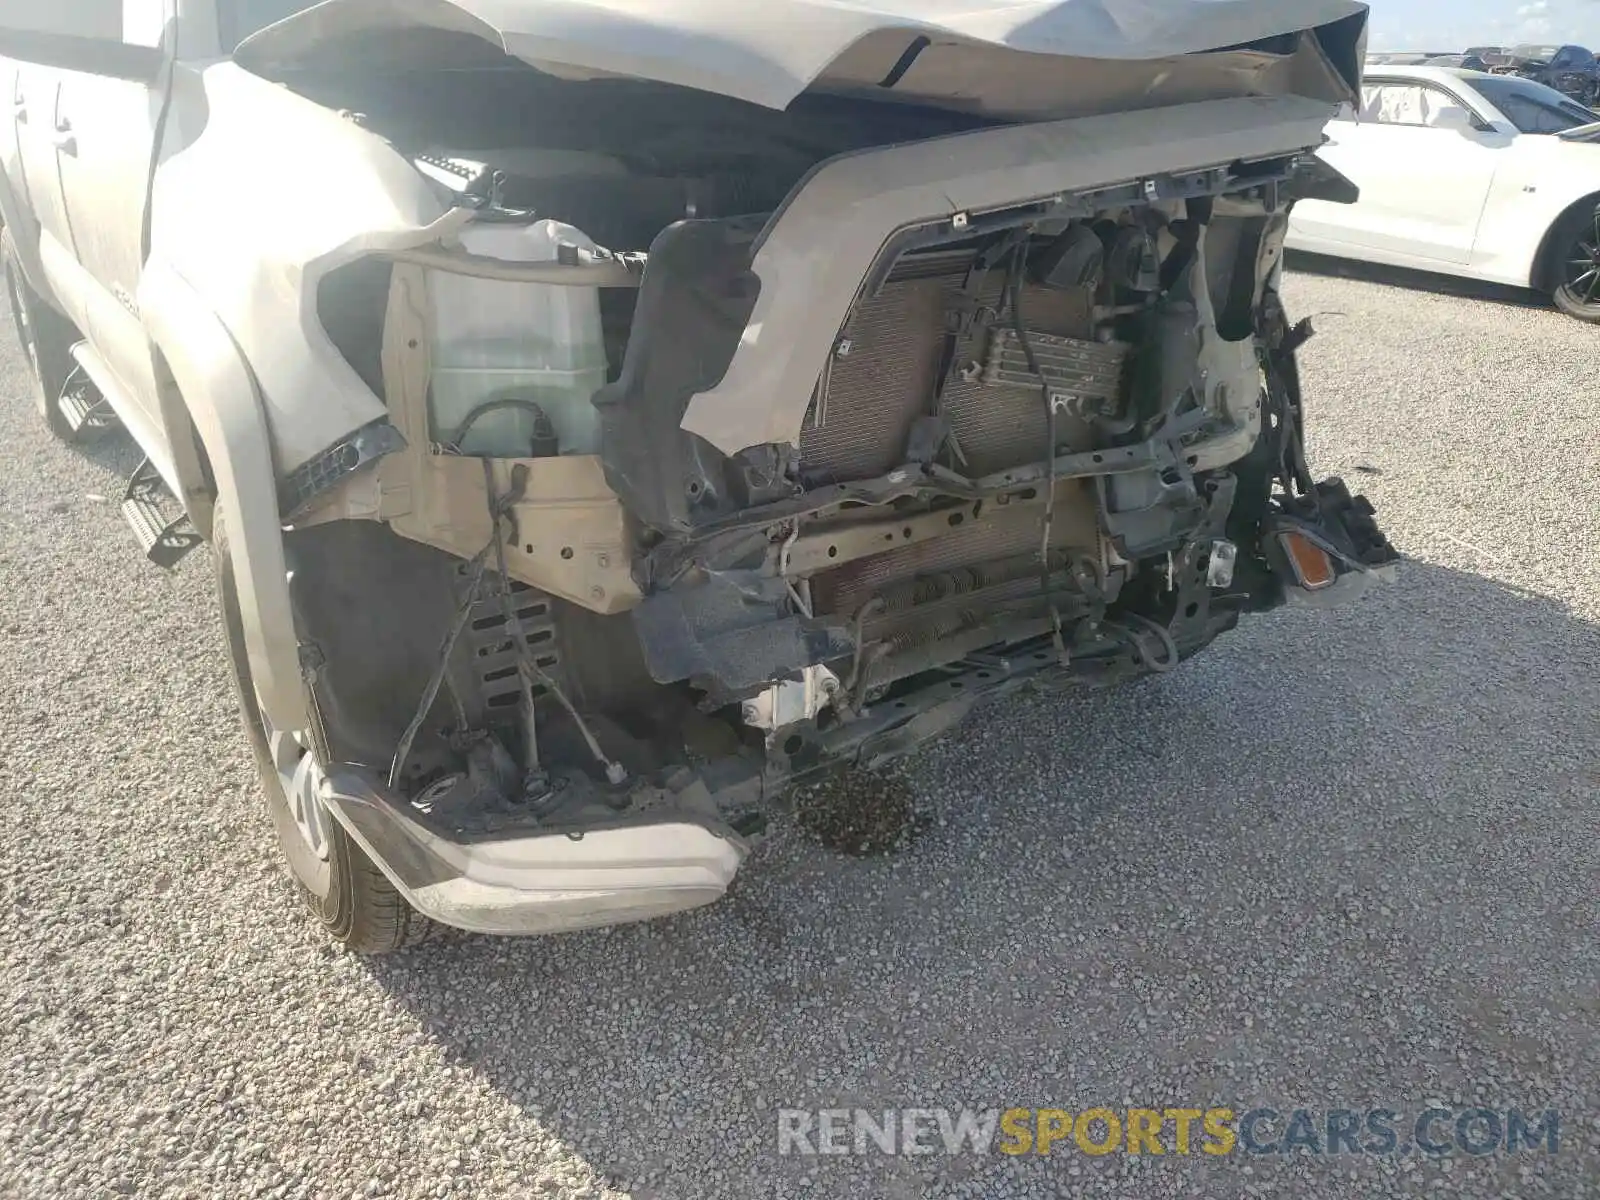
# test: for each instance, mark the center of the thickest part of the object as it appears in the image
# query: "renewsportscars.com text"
(1179, 1130)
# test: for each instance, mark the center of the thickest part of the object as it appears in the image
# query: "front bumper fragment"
(535, 883)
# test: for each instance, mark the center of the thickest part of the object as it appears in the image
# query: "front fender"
(220, 395)
(1539, 184)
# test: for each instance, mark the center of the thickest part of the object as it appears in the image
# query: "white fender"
(220, 394)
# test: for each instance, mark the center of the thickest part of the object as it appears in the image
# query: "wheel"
(1576, 258)
(352, 898)
(46, 337)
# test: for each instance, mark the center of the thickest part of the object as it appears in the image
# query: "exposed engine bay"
(1056, 435)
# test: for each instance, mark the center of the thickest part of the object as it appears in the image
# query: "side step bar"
(163, 541)
(86, 403)
(84, 408)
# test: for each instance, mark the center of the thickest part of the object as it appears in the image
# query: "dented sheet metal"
(769, 52)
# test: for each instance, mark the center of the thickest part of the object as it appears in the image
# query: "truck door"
(112, 125)
(44, 137)
(36, 114)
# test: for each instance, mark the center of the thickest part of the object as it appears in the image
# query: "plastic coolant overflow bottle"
(534, 343)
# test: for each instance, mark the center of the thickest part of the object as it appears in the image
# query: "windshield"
(241, 18)
(1543, 52)
(1532, 107)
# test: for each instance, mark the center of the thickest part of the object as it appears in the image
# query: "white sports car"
(1487, 176)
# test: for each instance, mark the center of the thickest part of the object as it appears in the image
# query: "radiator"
(869, 395)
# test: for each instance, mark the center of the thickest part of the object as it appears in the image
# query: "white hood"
(769, 51)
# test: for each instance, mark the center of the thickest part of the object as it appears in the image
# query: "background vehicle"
(1468, 61)
(1377, 58)
(1492, 177)
(601, 423)
(1570, 70)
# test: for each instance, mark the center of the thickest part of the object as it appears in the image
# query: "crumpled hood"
(769, 51)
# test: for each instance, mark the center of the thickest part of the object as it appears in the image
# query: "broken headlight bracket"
(301, 487)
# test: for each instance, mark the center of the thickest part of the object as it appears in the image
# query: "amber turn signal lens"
(1312, 566)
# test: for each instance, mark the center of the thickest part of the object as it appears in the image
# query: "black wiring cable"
(431, 691)
(490, 406)
(528, 670)
(1014, 286)
(1163, 634)
(519, 636)
(478, 564)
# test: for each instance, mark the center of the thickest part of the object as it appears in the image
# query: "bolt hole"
(694, 487)
(956, 683)
(1099, 458)
(1192, 459)
(1191, 610)
(833, 552)
(956, 519)
(983, 674)
(906, 532)
(792, 744)
(566, 552)
(530, 547)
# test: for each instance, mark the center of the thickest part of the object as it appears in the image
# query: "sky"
(1457, 24)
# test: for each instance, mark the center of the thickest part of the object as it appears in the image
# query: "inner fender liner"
(694, 303)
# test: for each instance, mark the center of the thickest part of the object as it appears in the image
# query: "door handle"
(19, 112)
(65, 140)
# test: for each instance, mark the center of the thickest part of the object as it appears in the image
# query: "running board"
(82, 404)
(163, 541)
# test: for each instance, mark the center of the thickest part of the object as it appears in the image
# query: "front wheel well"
(1544, 262)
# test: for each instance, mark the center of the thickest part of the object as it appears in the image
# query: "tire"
(351, 898)
(46, 338)
(1575, 265)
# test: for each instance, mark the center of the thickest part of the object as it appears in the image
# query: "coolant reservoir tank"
(508, 351)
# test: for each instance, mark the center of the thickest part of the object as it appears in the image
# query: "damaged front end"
(965, 402)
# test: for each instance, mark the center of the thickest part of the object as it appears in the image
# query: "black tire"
(354, 901)
(46, 338)
(1575, 264)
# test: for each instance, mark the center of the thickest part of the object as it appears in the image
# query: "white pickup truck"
(604, 413)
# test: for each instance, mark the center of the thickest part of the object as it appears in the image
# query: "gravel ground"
(1342, 860)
